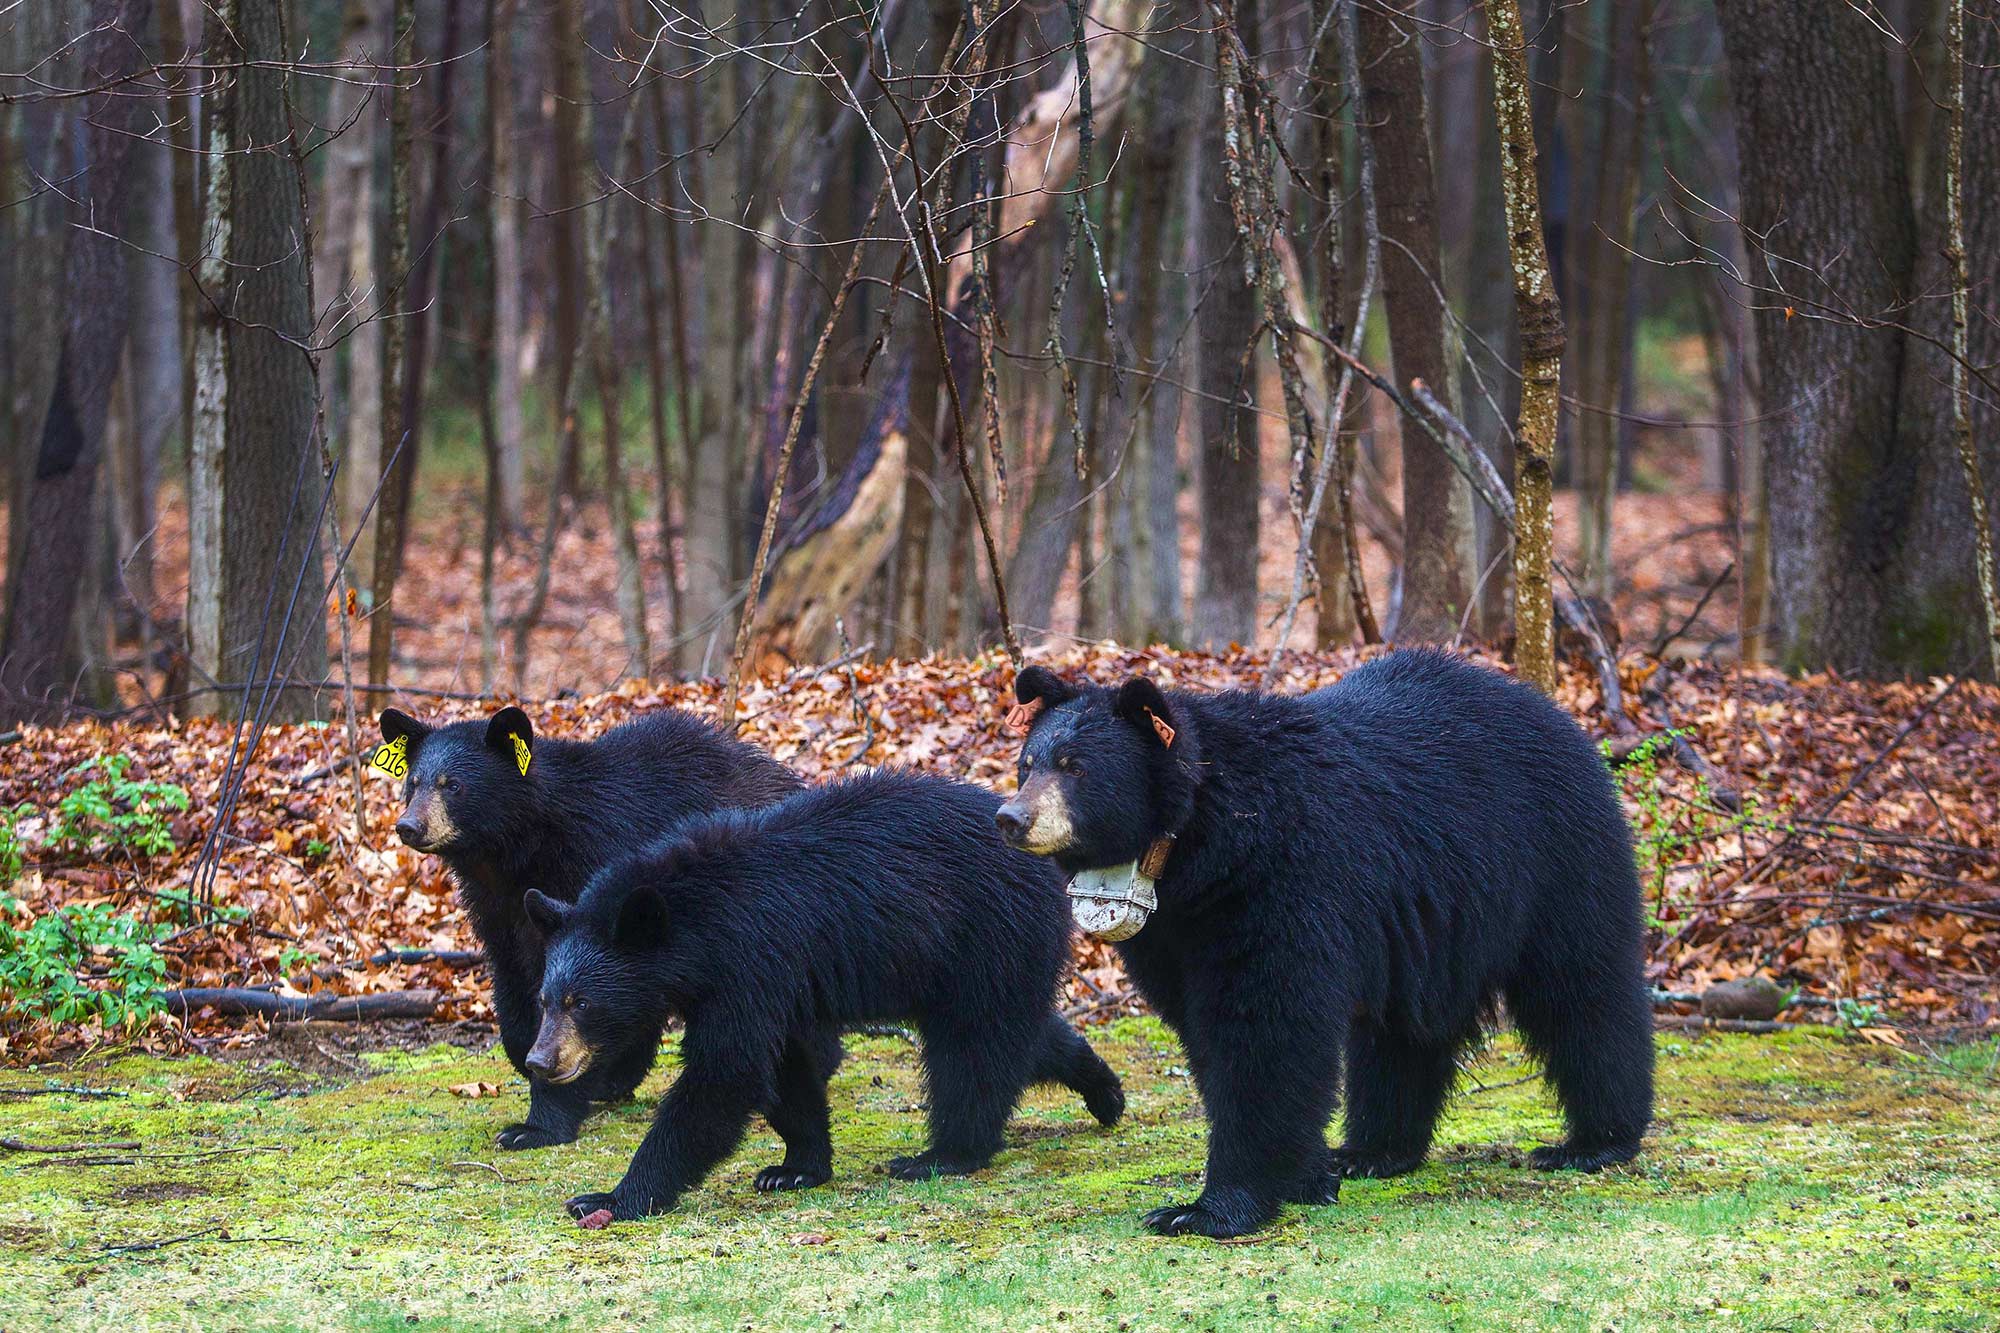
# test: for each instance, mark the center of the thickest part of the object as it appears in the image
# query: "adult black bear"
(879, 898)
(1361, 871)
(506, 811)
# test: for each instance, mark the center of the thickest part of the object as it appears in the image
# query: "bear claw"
(1318, 1190)
(519, 1138)
(774, 1178)
(593, 1211)
(1360, 1164)
(1191, 1219)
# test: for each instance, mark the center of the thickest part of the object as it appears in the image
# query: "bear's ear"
(547, 914)
(395, 722)
(510, 732)
(1141, 703)
(642, 919)
(1039, 685)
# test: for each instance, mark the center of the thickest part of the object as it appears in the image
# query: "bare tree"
(1540, 316)
(1438, 539)
(38, 661)
(255, 576)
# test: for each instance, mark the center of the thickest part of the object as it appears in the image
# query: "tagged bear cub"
(1353, 875)
(505, 809)
(883, 898)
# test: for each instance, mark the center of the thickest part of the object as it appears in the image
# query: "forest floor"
(1802, 1181)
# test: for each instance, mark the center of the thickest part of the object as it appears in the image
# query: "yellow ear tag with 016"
(392, 758)
(520, 752)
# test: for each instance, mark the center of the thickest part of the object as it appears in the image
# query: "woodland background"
(811, 364)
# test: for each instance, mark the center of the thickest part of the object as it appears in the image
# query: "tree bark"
(396, 366)
(1606, 255)
(1961, 344)
(1225, 603)
(1827, 214)
(37, 665)
(258, 478)
(1539, 315)
(1438, 538)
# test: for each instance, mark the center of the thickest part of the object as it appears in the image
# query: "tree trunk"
(1605, 251)
(254, 594)
(1827, 213)
(1539, 315)
(1438, 538)
(510, 315)
(37, 666)
(1935, 596)
(344, 273)
(1225, 603)
(396, 366)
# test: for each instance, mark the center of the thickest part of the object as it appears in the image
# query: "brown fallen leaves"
(1863, 865)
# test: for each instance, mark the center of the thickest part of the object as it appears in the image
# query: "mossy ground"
(1792, 1182)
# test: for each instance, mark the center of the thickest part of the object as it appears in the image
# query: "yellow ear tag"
(520, 752)
(392, 758)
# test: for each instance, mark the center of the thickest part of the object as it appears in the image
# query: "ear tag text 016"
(520, 753)
(392, 758)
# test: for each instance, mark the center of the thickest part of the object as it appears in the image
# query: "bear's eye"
(1068, 764)
(445, 782)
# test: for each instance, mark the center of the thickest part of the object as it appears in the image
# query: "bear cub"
(881, 898)
(506, 810)
(1354, 875)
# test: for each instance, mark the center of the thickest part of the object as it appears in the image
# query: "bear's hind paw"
(1318, 1190)
(784, 1177)
(1362, 1164)
(1570, 1156)
(931, 1164)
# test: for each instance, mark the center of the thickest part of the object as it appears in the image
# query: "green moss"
(1794, 1182)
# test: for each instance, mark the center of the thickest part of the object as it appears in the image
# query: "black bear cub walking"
(883, 898)
(507, 811)
(1360, 872)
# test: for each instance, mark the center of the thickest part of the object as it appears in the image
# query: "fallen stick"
(345, 1008)
(1696, 1023)
(449, 957)
(16, 1145)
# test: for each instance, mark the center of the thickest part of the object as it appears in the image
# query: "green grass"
(1795, 1182)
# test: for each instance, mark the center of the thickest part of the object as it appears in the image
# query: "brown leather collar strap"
(1154, 863)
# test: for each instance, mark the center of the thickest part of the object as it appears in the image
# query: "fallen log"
(297, 1008)
(449, 957)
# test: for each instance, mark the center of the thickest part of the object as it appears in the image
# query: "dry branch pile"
(1845, 842)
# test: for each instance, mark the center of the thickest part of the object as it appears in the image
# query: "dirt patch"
(331, 1052)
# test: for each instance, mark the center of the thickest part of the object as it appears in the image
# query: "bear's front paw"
(1193, 1219)
(787, 1177)
(519, 1138)
(931, 1164)
(593, 1211)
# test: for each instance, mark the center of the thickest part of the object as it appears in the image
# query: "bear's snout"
(411, 832)
(1013, 827)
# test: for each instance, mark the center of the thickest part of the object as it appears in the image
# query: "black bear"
(1362, 872)
(506, 810)
(881, 898)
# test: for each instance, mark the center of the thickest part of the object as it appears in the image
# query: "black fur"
(880, 898)
(1361, 872)
(581, 805)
